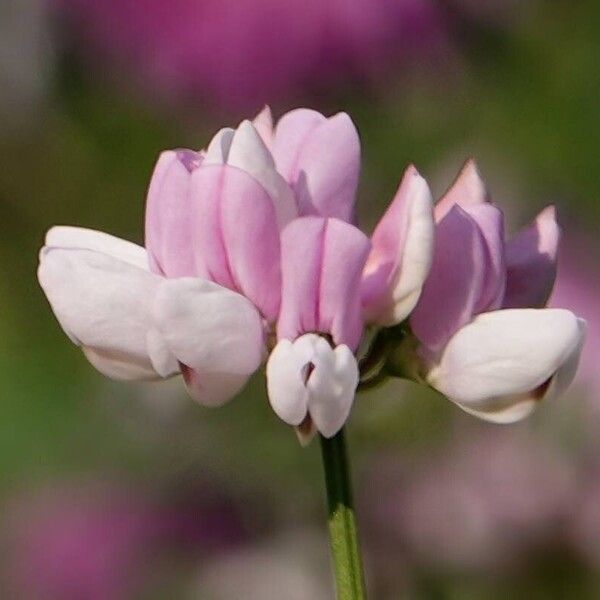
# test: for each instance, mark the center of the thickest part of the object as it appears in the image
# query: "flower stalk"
(343, 534)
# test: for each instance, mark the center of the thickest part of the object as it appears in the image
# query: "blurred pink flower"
(483, 501)
(239, 54)
(578, 289)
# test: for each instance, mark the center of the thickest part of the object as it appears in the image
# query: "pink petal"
(491, 224)
(291, 133)
(531, 262)
(468, 189)
(401, 253)
(455, 282)
(320, 158)
(168, 227)
(236, 236)
(322, 262)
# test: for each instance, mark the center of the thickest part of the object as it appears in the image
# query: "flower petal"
(322, 262)
(218, 148)
(332, 386)
(263, 123)
(467, 190)
(237, 239)
(104, 305)
(401, 253)
(215, 332)
(64, 236)
(291, 133)
(168, 227)
(309, 377)
(490, 220)
(531, 262)
(320, 158)
(249, 153)
(455, 281)
(503, 362)
(286, 371)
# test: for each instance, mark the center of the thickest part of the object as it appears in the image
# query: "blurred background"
(114, 491)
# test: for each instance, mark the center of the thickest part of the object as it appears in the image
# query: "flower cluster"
(252, 255)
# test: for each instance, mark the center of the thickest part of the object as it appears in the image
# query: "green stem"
(343, 537)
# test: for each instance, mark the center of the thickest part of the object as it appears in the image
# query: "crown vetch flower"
(478, 332)
(250, 237)
(253, 239)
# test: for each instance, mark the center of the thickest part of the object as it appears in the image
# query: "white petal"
(218, 148)
(285, 379)
(308, 376)
(509, 409)
(503, 362)
(263, 123)
(212, 389)
(249, 153)
(417, 253)
(104, 305)
(63, 236)
(215, 332)
(332, 386)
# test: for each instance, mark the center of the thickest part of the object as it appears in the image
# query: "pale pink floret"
(496, 364)
(312, 372)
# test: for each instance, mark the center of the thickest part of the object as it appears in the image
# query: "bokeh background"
(114, 491)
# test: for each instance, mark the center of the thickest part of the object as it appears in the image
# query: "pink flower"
(248, 240)
(481, 335)
(483, 501)
(251, 247)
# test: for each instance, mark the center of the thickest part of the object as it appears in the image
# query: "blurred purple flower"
(476, 504)
(241, 54)
(100, 542)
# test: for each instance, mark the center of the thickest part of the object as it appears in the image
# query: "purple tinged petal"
(301, 258)
(455, 282)
(168, 225)
(322, 262)
(467, 190)
(320, 158)
(291, 133)
(490, 220)
(401, 253)
(531, 262)
(237, 238)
